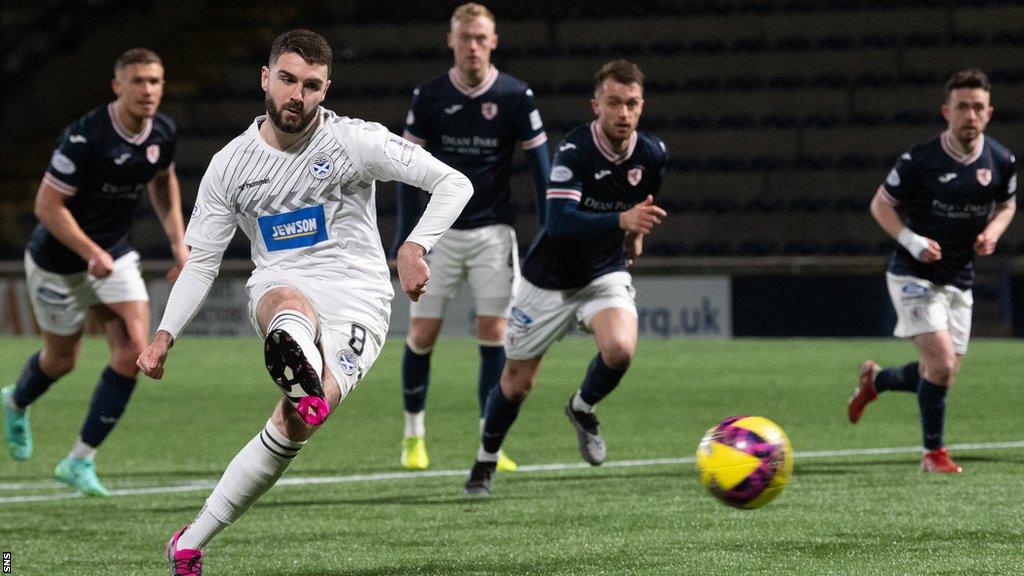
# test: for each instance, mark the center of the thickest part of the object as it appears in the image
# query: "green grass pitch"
(856, 513)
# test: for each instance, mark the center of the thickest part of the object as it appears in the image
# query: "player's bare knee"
(281, 299)
(941, 372)
(516, 383)
(423, 334)
(618, 356)
(490, 329)
(57, 364)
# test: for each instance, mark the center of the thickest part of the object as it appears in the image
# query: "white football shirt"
(309, 212)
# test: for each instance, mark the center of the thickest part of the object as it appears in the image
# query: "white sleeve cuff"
(190, 290)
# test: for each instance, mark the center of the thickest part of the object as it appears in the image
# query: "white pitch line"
(200, 485)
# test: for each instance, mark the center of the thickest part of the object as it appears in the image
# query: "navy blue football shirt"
(103, 169)
(474, 129)
(587, 171)
(948, 198)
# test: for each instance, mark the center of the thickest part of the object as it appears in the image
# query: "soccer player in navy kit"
(956, 193)
(79, 257)
(470, 118)
(600, 205)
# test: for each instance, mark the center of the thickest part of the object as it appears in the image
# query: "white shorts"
(61, 301)
(542, 317)
(348, 342)
(487, 257)
(923, 307)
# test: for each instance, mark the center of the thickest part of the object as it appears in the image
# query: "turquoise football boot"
(17, 432)
(80, 473)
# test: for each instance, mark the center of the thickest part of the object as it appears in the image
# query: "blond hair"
(470, 11)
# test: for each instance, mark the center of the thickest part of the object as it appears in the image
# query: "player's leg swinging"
(517, 380)
(56, 358)
(292, 357)
(939, 364)
(261, 462)
(615, 331)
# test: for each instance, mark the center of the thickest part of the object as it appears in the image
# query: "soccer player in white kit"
(300, 184)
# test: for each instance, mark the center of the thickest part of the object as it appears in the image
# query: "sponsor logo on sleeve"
(984, 176)
(297, 229)
(535, 122)
(1011, 186)
(62, 163)
(321, 166)
(399, 149)
(893, 179)
(489, 110)
(561, 174)
(410, 118)
(197, 210)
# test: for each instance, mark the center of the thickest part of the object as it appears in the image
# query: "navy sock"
(492, 360)
(599, 382)
(32, 383)
(904, 378)
(108, 403)
(415, 379)
(499, 416)
(931, 398)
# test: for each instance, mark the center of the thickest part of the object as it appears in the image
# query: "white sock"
(252, 472)
(579, 405)
(9, 399)
(81, 450)
(485, 456)
(301, 329)
(414, 424)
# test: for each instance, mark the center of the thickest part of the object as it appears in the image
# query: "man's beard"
(288, 126)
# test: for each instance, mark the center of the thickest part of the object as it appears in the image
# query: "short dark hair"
(136, 56)
(967, 78)
(622, 71)
(312, 47)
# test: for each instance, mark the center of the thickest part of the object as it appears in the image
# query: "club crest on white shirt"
(489, 110)
(984, 176)
(153, 153)
(321, 166)
(634, 175)
(347, 361)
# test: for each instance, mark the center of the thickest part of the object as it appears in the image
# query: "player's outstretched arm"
(165, 196)
(53, 213)
(884, 212)
(186, 298)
